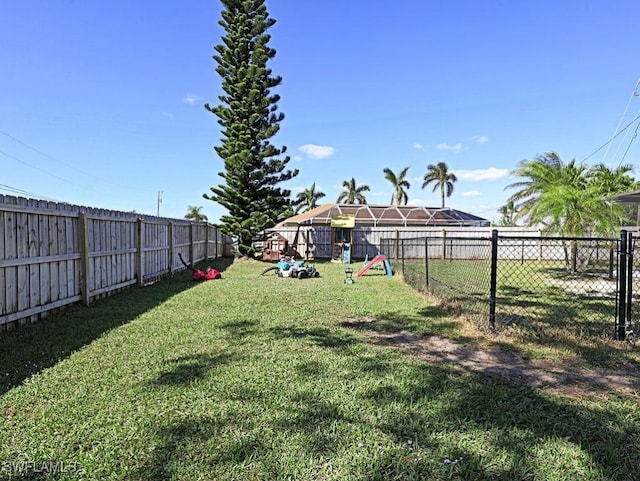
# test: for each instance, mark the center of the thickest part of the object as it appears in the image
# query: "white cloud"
(297, 158)
(317, 151)
(471, 193)
(481, 139)
(191, 99)
(481, 174)
(453, 148)
(418, 146)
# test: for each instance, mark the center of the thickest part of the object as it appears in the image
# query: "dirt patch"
(565, 379)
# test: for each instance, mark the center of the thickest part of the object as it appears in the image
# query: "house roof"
(386, 215)
(632, 197)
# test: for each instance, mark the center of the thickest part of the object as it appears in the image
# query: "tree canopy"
(400, 184)
(249, 119)
(569, 198)
(308, 199)
(353, 193)
(441, 178)
(195, 213)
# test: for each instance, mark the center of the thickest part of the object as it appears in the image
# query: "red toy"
(199, 275)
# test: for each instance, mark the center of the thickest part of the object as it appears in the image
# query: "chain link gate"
(627, 278)
(536, 285)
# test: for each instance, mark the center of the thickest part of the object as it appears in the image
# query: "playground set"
(378, 262)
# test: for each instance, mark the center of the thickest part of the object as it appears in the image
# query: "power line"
(44, 154)
(15, 190)
(635, 134)
(612, 138)
(66, 164)
(634, 93)
(38, 168)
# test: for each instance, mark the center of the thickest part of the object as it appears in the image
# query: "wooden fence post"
(397, 244)
(444, 244)
(206, 242)
(84, 258)
(191, 250)
(171, 253)
(140, 252)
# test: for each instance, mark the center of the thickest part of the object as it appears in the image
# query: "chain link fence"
(541, 285)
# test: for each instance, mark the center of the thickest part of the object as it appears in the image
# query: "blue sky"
(102, 102)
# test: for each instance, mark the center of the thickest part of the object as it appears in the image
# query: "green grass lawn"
(264, 378)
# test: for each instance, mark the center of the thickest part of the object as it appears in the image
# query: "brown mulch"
(566, 379)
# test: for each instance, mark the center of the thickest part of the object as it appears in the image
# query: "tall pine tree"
(248, 114)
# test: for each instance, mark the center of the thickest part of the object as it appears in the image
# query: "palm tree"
(611, 181)
(441, 177)
(353, 193)
(566, 198)
(399, 184)
(194, 213)
(538, 174)
(508, 213)
(616, 181)
(307, 199)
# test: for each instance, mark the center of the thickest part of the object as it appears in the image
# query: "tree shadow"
(238, 330)
(434, 320)
(199, 437)
(427, 434)
(187, 369)
(518, 420)
(30, 349)
(319, 336)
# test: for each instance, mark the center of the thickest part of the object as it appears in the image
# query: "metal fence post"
(622, 287)
(494, 280)
(629, 313)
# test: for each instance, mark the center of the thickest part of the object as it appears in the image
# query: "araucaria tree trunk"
(249, 117)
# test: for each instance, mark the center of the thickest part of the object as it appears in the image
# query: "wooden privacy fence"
(52, 254)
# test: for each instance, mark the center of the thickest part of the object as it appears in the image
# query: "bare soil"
(559, 378)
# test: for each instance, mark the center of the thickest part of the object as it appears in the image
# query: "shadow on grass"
(187, 369)
(238, 330)
(485, 428)
(425, 321)
(30, 349)
(518, 421)
(189, 448)
(319, 336)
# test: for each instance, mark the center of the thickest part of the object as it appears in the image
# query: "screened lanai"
(348, 231)
(387, 216)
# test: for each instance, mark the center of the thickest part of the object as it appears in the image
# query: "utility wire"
(634, 93)
(608, 142)
(38, 168)
(635, 134)
(15, 190)
(41, 152)
(66, 164)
